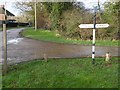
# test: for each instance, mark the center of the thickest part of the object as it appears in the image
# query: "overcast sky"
(11, 8)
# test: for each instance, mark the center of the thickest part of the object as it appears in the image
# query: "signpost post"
(94, 26)
(93, 43)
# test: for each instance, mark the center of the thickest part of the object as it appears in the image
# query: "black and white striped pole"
(93, 43)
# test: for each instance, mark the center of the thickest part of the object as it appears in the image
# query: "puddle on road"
(14, 41)
(14, 60)
(8, 59)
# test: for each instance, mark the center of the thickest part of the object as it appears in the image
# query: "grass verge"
(63, 73)
(51, 36)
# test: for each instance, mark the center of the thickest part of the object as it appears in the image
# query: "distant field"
(46, 35)
(63, 73)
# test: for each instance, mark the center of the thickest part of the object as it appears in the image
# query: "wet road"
(22, 49)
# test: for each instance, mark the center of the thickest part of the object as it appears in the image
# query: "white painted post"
(93, 47)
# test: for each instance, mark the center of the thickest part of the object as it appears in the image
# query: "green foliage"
(55, 15)
(28, 8)
(60, 6)
(55, 11)
(66, 16)
(63, 73)
(70, 21)
(110, 16)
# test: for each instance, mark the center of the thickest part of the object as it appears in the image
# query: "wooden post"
(45, 57)
(5, 48)
(5, 43)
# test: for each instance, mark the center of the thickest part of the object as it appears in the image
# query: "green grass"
(63, 73)
(46, 35)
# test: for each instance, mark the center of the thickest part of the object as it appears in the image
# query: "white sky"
(11, 8)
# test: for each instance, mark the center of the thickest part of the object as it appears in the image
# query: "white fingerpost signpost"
(94, 26)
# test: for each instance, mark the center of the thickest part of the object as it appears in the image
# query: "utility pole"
(35, 15)
(5, 42)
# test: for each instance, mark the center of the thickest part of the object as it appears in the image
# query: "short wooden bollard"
(107, 56)
(45, 57)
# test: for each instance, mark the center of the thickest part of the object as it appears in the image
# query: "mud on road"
(23, 49)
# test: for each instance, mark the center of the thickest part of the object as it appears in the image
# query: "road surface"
(23, 49)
